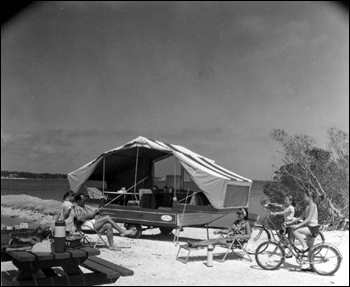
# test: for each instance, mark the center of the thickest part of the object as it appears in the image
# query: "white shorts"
(88, 224)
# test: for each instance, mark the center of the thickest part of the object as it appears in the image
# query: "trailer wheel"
(165, 230)
(138, 228)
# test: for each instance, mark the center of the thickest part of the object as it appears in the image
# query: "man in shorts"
(87, 218)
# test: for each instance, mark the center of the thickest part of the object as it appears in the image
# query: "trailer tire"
(138, 228)
(165, 230)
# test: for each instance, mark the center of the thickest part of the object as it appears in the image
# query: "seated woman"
(240, 230)
(65, 211)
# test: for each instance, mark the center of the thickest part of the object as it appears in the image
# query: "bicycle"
(324, 258)
(268, 231)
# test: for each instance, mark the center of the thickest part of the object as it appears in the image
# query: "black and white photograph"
(175, 143)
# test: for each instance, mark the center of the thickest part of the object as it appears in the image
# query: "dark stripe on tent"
(195, 160)
(128, 145)
(218, 167)
(198, 162)
(159, 143)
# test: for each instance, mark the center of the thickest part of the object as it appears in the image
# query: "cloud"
(34, 142)
(116, 5)
(49, 148)
(97, 133)
(199, 133)
(5, 138)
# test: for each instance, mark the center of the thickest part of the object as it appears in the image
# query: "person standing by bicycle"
(309, 225)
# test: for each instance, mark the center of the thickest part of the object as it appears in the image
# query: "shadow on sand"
(217, 257)
(287, 266)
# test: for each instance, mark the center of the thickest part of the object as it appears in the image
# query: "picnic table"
(29, 265)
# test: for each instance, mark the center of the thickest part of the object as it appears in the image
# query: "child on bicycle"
(288, 212)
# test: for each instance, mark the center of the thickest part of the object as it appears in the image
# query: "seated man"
(87, 217)
(240, 230)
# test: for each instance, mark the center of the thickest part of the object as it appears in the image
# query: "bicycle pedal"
(302, 258)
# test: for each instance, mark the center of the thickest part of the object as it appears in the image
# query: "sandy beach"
(152, 258)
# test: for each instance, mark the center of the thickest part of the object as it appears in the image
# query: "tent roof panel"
(210, 177)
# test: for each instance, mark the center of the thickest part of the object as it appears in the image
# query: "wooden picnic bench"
(30, 263)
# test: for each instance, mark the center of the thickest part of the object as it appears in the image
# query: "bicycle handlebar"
(265, 207)
(268, 212)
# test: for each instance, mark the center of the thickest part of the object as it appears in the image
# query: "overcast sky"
(81, 78)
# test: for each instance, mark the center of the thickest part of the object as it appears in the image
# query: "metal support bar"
(137, 161)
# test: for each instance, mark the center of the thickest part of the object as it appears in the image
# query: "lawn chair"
(189, 249)
(240, 244)
(83, 232)
(233, 246)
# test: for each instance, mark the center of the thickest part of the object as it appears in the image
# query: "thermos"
(210, 256)
(60, 236)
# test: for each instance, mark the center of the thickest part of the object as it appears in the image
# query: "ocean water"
(55, 189)
(42, 188)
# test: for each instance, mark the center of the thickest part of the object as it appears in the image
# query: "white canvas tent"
(135, 160)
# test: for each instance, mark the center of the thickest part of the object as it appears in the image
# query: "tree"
(306, 166)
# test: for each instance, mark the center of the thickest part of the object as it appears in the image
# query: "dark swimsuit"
(238, 228)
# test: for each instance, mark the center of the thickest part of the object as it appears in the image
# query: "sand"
(152, 258)
(29, 216)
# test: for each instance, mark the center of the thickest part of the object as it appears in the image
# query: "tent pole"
(104, 170)
(176, 238)
(174, 176)
(182, 178)
(120, 195)
(137, 160)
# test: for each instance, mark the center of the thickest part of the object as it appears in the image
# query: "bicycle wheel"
(269, 255)
(259, 235)
(325, 259)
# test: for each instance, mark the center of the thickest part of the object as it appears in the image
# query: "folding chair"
(232, 246)
(241, 244)
(189, 249)
(83, 232)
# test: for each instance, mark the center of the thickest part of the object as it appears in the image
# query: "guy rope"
(122, 193)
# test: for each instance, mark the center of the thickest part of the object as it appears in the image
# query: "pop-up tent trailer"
(132, 166)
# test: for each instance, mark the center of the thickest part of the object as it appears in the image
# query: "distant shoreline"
(6, 174)
(15, 178)
(21, 178)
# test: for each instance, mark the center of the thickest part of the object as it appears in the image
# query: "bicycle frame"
(278, 243)
(284, 242)
(271, 258)
(274, 234)
(301, 258)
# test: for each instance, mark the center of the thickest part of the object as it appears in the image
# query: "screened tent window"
(236, 195)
